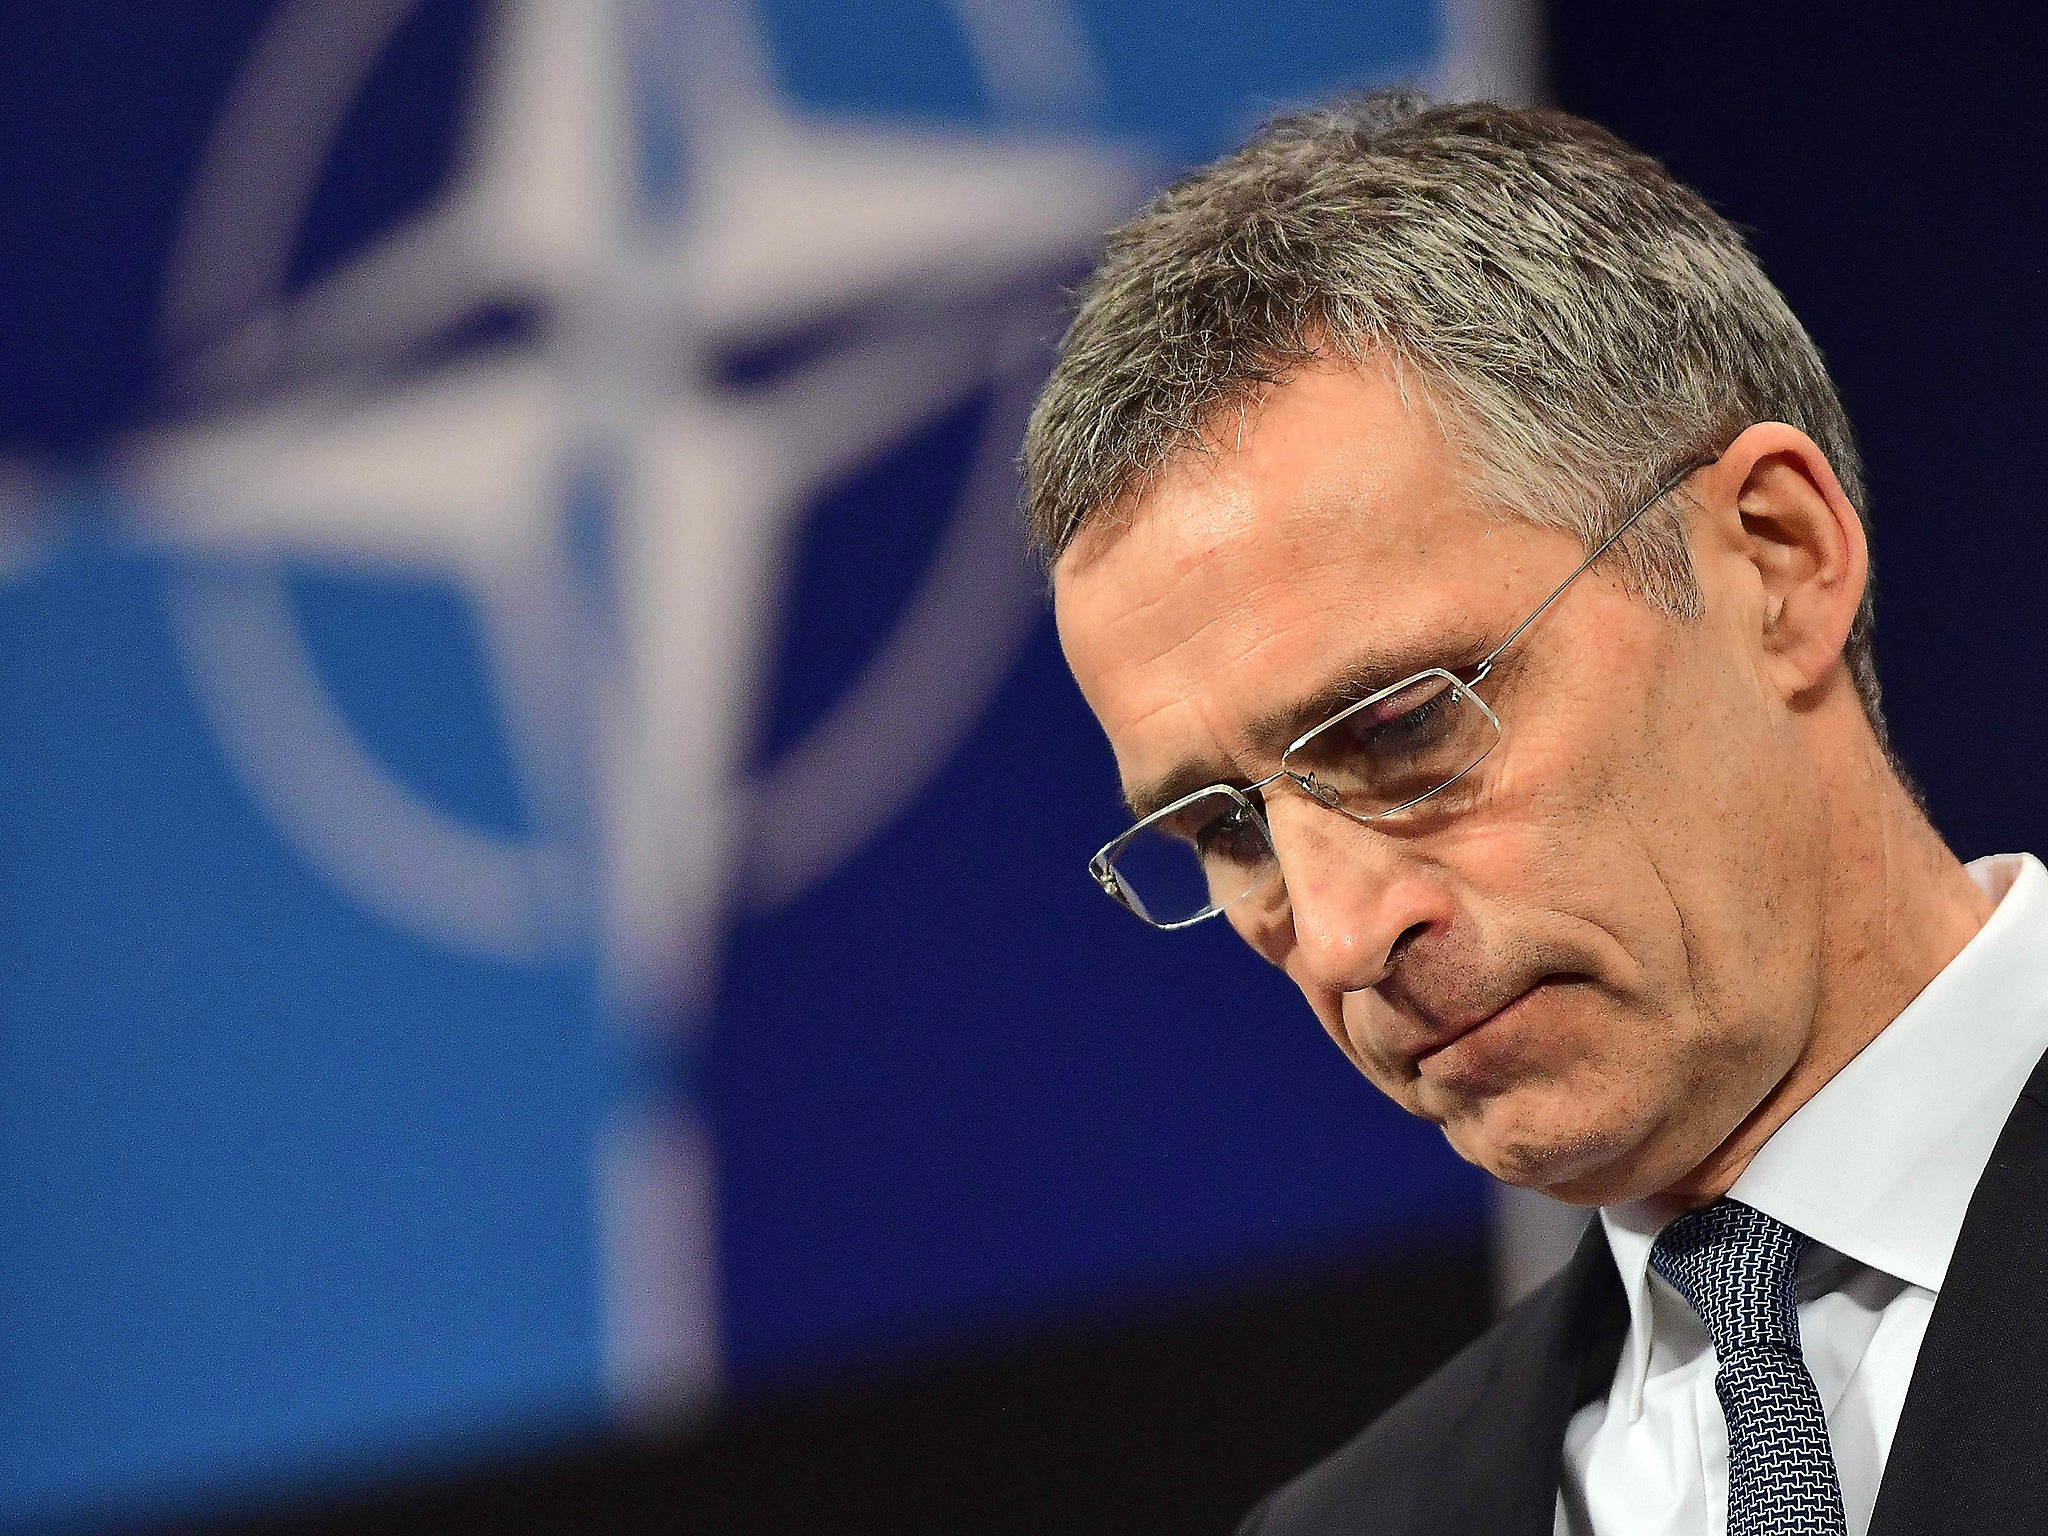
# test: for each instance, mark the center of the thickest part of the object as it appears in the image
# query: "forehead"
(1326, 529)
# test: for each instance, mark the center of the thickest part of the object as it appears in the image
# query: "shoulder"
(1377, 1481)
(1401, 1472)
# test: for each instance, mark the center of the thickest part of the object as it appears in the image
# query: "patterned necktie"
(1735, 1265)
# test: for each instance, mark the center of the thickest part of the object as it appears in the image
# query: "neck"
(1897, 906)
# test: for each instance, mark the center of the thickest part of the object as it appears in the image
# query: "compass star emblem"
(598, 383)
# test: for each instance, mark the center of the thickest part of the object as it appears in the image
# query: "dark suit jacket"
(1476, 1450)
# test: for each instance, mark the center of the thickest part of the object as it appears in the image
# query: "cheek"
(1597, 824)
(1354, 1023)
(1730, 832)
(1561, 885)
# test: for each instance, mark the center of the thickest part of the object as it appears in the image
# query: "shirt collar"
(1880, 1164)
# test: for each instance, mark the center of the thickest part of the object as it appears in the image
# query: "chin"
(1538, 1143)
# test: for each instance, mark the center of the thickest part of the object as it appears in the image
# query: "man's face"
(1591, 960)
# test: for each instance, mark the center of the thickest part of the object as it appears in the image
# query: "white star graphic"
(635, 204)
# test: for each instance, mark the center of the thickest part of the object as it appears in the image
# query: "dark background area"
(1163, 1417)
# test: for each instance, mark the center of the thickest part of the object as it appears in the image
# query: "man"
(1459, 541)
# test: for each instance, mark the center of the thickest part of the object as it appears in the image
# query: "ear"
(1794, 547)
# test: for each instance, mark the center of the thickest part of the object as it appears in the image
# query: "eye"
(1417, 727)
(1400, 748)
(1233, 837)
(1391, 731)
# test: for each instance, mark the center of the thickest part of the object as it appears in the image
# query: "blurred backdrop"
(546, 973)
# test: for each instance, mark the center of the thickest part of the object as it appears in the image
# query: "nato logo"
(592, 389)
(538, 388)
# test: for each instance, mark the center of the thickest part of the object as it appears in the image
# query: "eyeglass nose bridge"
(1307, 783)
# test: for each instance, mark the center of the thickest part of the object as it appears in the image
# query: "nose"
(1355, 895)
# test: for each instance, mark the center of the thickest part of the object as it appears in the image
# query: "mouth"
(1447, 1040)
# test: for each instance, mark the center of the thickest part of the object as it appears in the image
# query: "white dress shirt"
(1877, 1169)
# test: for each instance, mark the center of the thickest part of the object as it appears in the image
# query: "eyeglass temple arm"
(1606, 544)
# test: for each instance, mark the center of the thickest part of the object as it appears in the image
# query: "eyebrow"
(1274, 730)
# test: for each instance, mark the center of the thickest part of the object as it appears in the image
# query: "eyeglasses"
(1389, 751)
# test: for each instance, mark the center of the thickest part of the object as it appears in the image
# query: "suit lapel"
(1499, 1465)
(1969, 1454)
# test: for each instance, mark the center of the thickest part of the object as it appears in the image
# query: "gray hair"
(1578, 321)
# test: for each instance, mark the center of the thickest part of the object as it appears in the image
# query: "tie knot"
(1736, 1267)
